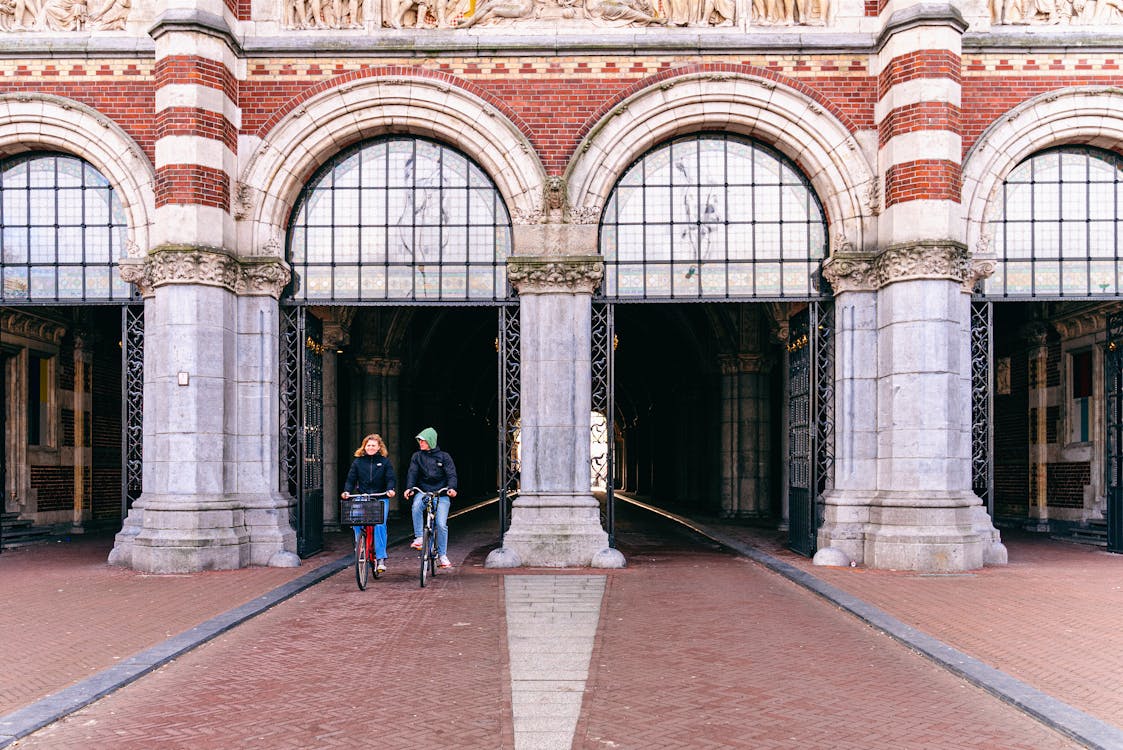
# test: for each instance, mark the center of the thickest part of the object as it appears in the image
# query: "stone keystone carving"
(850, 272)
(532, 275)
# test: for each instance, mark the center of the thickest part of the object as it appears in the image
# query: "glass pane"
(296, 245)
(14, 207)
(739, 242)
(346, 282)
(317, 282)
(1074, 239)
(767, 241)
(346, 207)
(43, 282)
(70, 245)
(373, 246)
(42, 244)
(1074, 277)
(741, 277)
(346, 245)
(345, 174)
(15, 282)
(1047, 277)
(1074, 201)
(481, 283)
(97, 206)
(1101, 201)
(1019, 278)
(15, 245)
(630, 280)
(373, 282)
(658, 279)
(399, 282)
(14, 177)
(1102, 277)
(42, 208)
(1046, 240)
(98, 245)
(98, 282)
(1046, 204)
(797, 278)
(454, 282)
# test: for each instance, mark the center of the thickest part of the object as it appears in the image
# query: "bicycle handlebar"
(368, 496)
(435, 493)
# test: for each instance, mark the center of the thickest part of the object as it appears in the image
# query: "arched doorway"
(1046, 426)
(709, 392)
(71, 335)
(398, 307)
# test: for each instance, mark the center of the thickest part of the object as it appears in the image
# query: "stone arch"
(30, 122)
(752, 106)
(1085, 115)
(320, 127)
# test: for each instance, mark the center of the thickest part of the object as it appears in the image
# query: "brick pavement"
(1048, 618)
(696, 647)
(65, 614)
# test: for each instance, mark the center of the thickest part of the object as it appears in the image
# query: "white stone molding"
(754, 107)
(922, 260)
(54, 123)
(257, 276)
(574, 274)
(1086, 115)
(320, 127)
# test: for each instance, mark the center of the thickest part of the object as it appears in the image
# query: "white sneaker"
(416, 543)
(445, 562)
(381, 567)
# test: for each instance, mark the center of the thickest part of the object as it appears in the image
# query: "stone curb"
(1057, 715)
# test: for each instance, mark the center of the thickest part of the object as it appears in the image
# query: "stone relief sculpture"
(63, 15)
(464, 14)
(1052, 12)
(793, 12)
(323, 14)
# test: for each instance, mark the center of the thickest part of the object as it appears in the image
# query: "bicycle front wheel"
(426, 554)
(362, 562)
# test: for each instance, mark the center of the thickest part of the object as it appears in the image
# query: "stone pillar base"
(272, 540)
(167, 534)
(931, 532)
(555, 531)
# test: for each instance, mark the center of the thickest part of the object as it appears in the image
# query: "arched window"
(399, 219)
(712, 216)
(1057, 230)
(63, 231)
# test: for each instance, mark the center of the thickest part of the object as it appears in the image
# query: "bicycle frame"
(365, 562)
(428, 553)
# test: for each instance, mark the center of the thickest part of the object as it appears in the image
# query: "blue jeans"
(443, 504)
(379, 533)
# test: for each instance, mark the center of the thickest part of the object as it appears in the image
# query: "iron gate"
(604, 401)
(1113, 398)
(508, 347)
(982, 414)
(302, 416)
(132, 405)
(810, 421)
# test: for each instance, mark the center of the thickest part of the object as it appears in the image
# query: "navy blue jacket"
(430, 470)
(370, 474)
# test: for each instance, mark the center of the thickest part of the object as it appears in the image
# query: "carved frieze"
(923, 260)
(535, 275)
(850, 272)
(64, 15)
(192, 265)
(1055, 12)
(30, 326)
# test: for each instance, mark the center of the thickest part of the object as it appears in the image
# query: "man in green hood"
(431, 469)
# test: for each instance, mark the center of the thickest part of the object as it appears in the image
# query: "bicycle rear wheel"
(426, 554)
(362, 563)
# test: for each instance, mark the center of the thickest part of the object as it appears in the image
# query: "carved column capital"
(578, 274)
(850, 272)
(923, 260)
(737, 364)
(381, 366)
(189, 264)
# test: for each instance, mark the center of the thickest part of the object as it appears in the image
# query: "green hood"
(429, 435)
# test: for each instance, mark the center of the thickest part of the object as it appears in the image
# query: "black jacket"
(370, 474)
(430, 470)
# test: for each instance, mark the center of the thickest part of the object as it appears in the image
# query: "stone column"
(846, 506)
(375, 409)
(746, 436)
(1036, 335)
(211, 487)
(555, 521)
(83, 446)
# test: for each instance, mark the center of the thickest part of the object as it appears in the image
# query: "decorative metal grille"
(132, 404)
(604, 402)
(801, 482)
(400, 219)
(510, 390)
(290, 338)
(982, 358)
(1059, 226)
(63, 230)
(823, 347)
(712, 216)
(1113, 395)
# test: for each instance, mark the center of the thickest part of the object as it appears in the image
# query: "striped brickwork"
(918, 118)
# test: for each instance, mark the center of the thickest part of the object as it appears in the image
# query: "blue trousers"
(443, 504)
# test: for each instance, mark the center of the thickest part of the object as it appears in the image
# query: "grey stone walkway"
(551, 625)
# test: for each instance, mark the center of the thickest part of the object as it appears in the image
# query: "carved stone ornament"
(1054, 12)
(379, 366)
(64, 15)
(737, 364)
(463, 14)
(923, 260)
(172, 264)
(27, 325)
(850, 272)
(979, 269)
(574, 274)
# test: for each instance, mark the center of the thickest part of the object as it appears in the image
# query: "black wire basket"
(366, 512)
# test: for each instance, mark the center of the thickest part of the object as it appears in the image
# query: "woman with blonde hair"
(371, 473)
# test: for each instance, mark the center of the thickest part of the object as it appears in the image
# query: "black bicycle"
(366, 512)
(428, 552)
